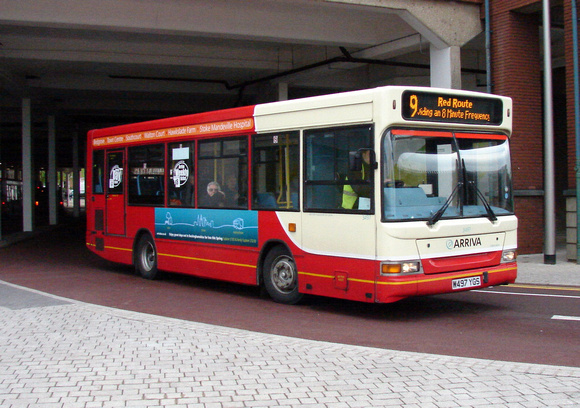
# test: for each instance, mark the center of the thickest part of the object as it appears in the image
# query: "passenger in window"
(357, 196)
(231, 192)
(215, 197)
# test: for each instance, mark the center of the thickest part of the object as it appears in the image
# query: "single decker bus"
(373, 195)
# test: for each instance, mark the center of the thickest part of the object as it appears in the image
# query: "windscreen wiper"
(437, 216)
(490, 214)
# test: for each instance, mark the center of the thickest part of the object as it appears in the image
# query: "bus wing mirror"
(355, 161)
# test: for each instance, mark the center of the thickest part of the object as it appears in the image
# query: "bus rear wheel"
(146, 257)
(281, 277)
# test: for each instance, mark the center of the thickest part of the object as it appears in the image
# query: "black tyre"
(146, 257)
(281, 276)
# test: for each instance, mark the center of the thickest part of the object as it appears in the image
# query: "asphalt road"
(506, 323)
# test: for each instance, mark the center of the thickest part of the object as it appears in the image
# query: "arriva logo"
(463, 243)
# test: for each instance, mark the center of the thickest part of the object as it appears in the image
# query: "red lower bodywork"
(332, 276)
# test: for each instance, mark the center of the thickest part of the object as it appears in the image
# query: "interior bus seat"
(266, 200)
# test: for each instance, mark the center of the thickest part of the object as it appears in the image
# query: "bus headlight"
(509, 255)
(388, 268)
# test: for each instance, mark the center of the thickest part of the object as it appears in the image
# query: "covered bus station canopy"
(67, 66)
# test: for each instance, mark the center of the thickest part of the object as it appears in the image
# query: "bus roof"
(420, 109)
(204, 117)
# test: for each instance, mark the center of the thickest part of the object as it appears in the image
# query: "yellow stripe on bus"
(317, 275)
(184, 257)
(208, 260)
(119, 249)
(465, 275)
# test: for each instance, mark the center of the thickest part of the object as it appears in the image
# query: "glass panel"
(115, 173)
(98, 171)
(330, 182)
(209, 148)
(234, 147)
(488, 175)
(276, 171)
(147, 175)
(223, 174)
(430, 172)
(181, 176)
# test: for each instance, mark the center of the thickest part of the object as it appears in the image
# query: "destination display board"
(440, 107)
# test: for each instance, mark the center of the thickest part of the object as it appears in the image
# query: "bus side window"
(98, 171)
(275, 171)
(147, 174)
(181, 174)
(223, 173)
(330, 183)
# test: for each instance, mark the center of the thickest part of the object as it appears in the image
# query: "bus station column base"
(446, 67)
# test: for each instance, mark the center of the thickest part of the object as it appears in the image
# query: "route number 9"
(414, 104)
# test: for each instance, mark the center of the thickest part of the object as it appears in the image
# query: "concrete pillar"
(283, 91)
(51, 175)
(27, 179)
(446, 67)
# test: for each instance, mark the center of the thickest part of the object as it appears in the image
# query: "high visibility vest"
(349, 196)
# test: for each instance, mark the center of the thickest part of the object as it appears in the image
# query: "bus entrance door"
(115, 206)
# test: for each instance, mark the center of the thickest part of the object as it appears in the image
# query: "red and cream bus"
(373, 195)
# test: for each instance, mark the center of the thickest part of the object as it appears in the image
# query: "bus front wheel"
(146, 257)
(281, 277)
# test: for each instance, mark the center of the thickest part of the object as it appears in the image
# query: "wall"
(516, 73)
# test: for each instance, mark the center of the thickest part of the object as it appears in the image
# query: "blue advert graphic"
(230, 227)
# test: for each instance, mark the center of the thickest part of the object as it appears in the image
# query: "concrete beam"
(102, 48)
(393, 48)
(282, 21)
(442, 23)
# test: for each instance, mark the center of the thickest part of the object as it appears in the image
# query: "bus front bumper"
(393, 288)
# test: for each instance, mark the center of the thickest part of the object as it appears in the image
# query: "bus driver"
(352, 193)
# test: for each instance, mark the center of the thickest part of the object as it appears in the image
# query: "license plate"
(463, 283)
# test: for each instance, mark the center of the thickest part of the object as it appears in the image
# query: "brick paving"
(56, 352)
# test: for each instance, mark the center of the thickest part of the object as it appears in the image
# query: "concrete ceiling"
(94, 63)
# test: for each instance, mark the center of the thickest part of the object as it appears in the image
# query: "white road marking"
(574, 318)
(526, 294)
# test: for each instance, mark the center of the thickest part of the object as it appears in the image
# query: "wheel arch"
(138, 235)
(266, 248)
